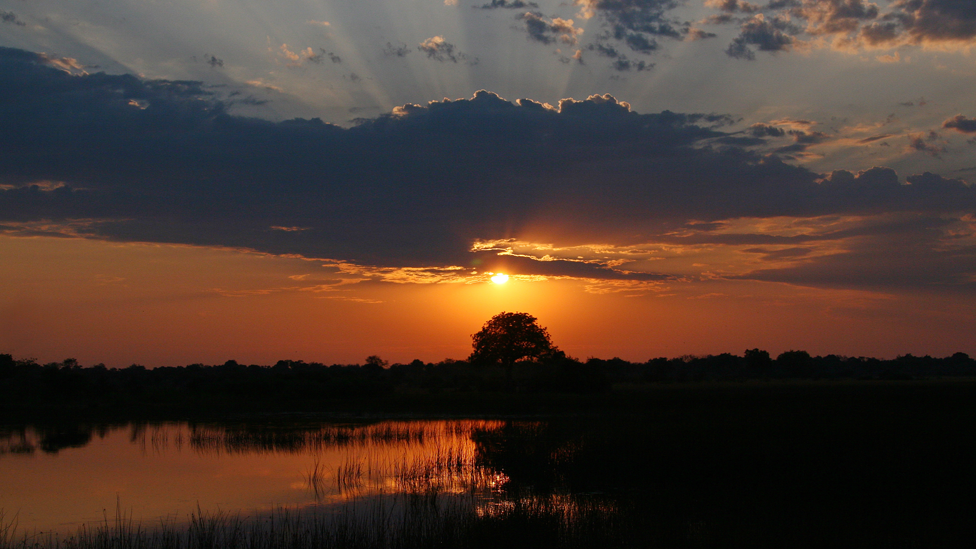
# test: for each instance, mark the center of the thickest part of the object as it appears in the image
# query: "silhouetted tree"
(6, 365)
(758, 361)
(796, 363)
(508, 338)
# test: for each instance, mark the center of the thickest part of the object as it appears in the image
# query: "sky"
(192, 181)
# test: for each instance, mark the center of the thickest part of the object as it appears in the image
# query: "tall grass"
(8, 528)
(398, 522)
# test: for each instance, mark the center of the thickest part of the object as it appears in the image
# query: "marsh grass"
(402, 521)
(317, 437)
(8, 528)
(222, 438)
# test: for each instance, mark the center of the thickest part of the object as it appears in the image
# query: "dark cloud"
(621, 63)
(317, 58)
(905, 257)
(122, 158)
(961, 124)
(505, 4)
(874, 138)
(937, 20)
(636, 23)
(763, 34)
(733, 6)
(835, 16)
(396, 51)
(214, 62)
(855, 23)
(741, 141)
(439, 49)
(765, 130)
(10, 17)
(253, 101)
(550, 31)
(699, 34)
(921, 103)
(879, 34)
(604, 50)
(928, 144)
(643, 16)
(640, 42)
(781, 254)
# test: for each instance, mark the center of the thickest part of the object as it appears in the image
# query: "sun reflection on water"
(165, 470)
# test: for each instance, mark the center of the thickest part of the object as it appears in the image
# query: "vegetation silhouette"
(512, 355)
(508, 338)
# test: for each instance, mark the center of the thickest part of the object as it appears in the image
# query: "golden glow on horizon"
(499, 278)
(258, 309)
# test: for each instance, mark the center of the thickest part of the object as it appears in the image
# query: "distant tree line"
(26, 384)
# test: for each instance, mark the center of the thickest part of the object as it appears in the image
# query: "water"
(781, 466)
(55, 479)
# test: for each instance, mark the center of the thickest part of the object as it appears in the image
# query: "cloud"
(291, 58)
(66, 64)
(732, 6)
(316, 57)
(847, 25)
(637, 23)
(214, 61)
(260, 83)
(506, 4)
(928, 144)
(936, 21)
(400, 50)
(440, 50)
(586, 189)
(961, 124)
(547, 32)
(835, 16)
(621, 63)
(11, 18)
(766, 130)
(765, 35)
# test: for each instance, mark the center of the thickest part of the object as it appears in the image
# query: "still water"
(798, 469)
(56, 479)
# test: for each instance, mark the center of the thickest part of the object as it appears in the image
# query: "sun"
(499, 278)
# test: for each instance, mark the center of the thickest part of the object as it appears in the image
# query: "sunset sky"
(200, 180)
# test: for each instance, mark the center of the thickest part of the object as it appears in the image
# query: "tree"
(508, 338)
(758, 361)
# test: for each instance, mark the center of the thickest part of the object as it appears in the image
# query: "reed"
(315, 479)
(8, 528)
(403, 521)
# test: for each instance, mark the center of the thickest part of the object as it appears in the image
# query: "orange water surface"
(160, 473)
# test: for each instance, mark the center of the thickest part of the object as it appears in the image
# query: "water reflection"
(59, 477)
(794, 470)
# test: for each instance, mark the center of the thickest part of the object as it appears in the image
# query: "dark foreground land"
(721, 451)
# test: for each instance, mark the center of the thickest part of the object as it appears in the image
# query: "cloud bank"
(586, 189)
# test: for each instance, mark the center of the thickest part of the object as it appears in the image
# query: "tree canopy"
(510, 337)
